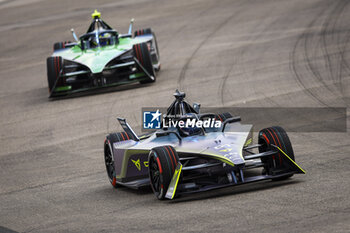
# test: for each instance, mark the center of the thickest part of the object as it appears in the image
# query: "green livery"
(102, 57)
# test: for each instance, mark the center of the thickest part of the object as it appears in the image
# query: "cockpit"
(187, 118)
(189, 127)
(99, 38)
(99, 34)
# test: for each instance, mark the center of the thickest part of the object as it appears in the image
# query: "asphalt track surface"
(221, 53)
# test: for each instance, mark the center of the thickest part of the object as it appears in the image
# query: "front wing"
(119, 74)
(178, 187)
(181, 185)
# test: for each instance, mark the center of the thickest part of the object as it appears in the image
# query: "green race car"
(102, 58)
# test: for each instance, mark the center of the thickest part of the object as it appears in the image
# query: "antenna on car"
(179, 95)
(74, 35)
(96, 15)
(180, 107)
(130, 26)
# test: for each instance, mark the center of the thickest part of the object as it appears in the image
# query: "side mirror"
(196, 107)
(229, 121)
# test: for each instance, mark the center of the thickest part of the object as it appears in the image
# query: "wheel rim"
(109, 162)
(154, 175)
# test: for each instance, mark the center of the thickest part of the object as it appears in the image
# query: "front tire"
(154, 50)
(54, 67)
(108, 154)
(142, 54)
(162, 163)
(155, 53)
(277, 136)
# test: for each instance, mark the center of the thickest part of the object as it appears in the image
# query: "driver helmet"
(104, 38)
(189, 131)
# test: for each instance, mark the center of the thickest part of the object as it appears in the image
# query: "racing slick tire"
(108, 154)
(223, 116)
(277, 136)
(54, 66)
(60, 45)
(141, 32)
(154, 56)
(142, 54)
(162, 162)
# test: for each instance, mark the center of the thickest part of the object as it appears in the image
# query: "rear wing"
(127, 128)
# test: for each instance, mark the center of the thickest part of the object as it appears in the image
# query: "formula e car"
(178, 159)
(102, 58)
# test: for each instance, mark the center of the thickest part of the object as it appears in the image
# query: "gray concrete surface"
(221, 53)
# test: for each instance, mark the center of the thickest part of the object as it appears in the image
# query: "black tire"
(223, 116)
(162, 163)
(155, 57)
(277, 136)
(54, 67)
(141, 32)
(142, 54)
(108, 154)
(60, 45)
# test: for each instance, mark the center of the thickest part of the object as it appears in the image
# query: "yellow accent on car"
(290, 159)
(174, 181)
(96, 14)
(221, 158)
(177, 179)
(248, 142)
(126, 160)
(226, 150)
(137, 164)
(145, 163)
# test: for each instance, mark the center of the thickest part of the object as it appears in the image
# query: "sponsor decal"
(314, 119)
(152, 119)
(192, 123)
(137, 164)
(155, 120)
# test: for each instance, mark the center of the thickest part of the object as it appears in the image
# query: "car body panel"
(102, 58)
(224, 146)
(97, 58)
(206, 158)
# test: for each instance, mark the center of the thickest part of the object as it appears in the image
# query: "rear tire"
(54, 66)
(277, 136)
(142, 54)
(141, 32)
(223, 116)
(108, 154)
(60, 45)
(162, 163)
